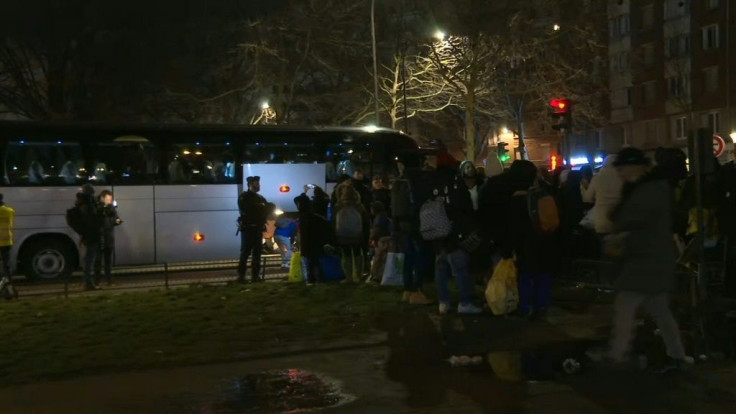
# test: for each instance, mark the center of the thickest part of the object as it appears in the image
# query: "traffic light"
(561, 112)
(554, 162)
(503, 154)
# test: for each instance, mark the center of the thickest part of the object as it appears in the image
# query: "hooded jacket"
(605, 191)
(644, 223)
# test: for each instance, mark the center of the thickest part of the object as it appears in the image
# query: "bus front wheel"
(47, 259)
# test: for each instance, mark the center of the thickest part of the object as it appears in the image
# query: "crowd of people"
(635, 213)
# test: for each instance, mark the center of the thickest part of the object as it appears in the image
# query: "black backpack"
(75, 219)
(83, 219)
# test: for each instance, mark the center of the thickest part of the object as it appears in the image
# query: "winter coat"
(253, 209)
(314, 233)
(109, 221)
(535, 252)
(465, 219)
(605, 191)
(384, 196)
(643, 221)
(493, 200)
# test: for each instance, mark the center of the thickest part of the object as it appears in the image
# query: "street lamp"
(265, 105)
(733, 136)
(439, 35)
(556, 27)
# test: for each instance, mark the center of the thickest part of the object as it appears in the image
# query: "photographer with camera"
(110, 219)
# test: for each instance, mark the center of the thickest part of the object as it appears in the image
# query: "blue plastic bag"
(331, 268)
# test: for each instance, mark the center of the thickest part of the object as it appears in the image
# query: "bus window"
(123, 163)
(345, 158)
(279, 152)
(201, 162)
(48, 162)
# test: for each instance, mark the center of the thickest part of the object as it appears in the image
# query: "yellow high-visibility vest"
(7, 216)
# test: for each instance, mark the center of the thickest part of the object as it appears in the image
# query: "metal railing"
(163, 275)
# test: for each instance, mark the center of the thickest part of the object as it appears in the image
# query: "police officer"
(252, 222)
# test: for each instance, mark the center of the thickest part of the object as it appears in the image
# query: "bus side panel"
(182, 212)
(281, 183)
(134, 239)
(39, 210)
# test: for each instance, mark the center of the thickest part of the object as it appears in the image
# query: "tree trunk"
(522, 133)
(470, 127)
(522, 139)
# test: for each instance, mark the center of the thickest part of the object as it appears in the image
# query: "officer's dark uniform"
(253, 214)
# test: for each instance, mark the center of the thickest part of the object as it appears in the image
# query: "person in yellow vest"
(7, 216)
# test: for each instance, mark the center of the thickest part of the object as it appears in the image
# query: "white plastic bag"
(588, 220)
(393, 272)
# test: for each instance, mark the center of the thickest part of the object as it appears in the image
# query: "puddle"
(280, 391)
(541, 364)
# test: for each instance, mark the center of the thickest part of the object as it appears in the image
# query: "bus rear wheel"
(48, 259)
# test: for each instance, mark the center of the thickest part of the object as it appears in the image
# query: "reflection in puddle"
(290, 390)
(543, 364)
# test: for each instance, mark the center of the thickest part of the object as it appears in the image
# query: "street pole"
(375, 63)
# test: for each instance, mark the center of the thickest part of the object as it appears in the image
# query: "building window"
(676, 46)
(648, 52)
(650, 92)
(681, 127)
(647, 16)
(676, 8)
(710, 37)
(710, 77)
(620, 62)
(628, 96)
(714, 122)
(678, 86)
(711, 4)
(620, 25)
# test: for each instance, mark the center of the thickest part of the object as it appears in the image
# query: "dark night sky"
(39, 17)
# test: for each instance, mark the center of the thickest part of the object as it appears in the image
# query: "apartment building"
(670, 70)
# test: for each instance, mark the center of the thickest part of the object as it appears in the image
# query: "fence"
(164, 275)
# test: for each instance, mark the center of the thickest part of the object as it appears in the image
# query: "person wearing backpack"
(408, 191)
(85, 218)
(351, 229)
(534, 221)
(315, 232)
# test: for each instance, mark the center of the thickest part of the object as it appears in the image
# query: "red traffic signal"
(560, 106)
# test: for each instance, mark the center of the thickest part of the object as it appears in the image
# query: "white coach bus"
(176, 186)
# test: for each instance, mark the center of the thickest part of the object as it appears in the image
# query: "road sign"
(718, 145)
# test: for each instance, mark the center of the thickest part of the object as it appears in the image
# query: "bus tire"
(48, 258)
